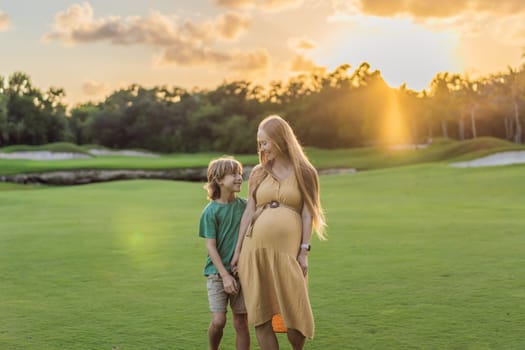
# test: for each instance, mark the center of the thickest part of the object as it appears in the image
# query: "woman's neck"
(282, 167)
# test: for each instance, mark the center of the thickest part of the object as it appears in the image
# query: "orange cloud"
(5, 21)
(242, 62)
(77, 25)
(183, 54)
(302, 64)
(93, 88)
(502, 19)
(183, 43)
(231, 25)
(443, 8)
(508, 29)
(266, 5)
(301, 44)
(428, 9)
(255, 61)
(235, 3)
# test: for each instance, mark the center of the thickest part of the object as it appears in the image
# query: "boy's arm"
(230, 284)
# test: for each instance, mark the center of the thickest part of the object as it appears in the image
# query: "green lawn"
(418, 257)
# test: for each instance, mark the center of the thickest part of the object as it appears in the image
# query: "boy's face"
(231, 182)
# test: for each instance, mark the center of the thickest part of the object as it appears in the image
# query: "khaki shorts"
(218, 298)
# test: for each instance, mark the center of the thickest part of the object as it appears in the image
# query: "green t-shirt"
(221, 222)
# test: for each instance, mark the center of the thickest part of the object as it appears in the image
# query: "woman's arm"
(306, 220)
(246, 220)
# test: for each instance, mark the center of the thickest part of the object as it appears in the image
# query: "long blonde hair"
(284, 140)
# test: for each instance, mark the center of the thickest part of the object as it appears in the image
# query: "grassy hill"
(441, 150)
(360, 158)
(65, 147)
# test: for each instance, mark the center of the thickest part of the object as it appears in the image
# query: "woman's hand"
(234, 263)
(302, 259)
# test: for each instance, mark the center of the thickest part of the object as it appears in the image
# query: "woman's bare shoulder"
(256, 170)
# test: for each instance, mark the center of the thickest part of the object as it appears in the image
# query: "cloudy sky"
(91, 48)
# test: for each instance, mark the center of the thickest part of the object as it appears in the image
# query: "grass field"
(418, 257)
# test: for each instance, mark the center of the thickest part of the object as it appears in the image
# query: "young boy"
(219, 224)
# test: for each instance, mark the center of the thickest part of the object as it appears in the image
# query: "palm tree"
(458, 102)
(472, 98)
(516, 82)
(439, 90)
(507, 93)
(497, 96)
(425, 104)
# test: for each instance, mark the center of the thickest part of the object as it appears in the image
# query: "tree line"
(336, 109)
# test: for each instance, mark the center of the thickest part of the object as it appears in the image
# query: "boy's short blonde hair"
(218, 169)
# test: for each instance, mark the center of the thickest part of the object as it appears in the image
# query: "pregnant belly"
(278, 228)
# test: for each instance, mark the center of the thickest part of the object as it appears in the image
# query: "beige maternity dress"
(270, 275)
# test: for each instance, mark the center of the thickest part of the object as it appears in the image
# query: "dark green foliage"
(338, 109)
(28, 116)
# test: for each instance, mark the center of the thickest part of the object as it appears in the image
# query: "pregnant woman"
(271, 255)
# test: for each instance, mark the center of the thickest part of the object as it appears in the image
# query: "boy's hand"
(230, 284)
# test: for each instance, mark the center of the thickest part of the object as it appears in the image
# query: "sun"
(404, 52)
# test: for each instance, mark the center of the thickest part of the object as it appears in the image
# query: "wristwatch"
(306, 246)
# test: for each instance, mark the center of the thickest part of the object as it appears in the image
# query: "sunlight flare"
(133, 230)
(404, 52)
(394, 129)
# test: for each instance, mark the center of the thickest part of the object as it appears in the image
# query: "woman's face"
(266, 146)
